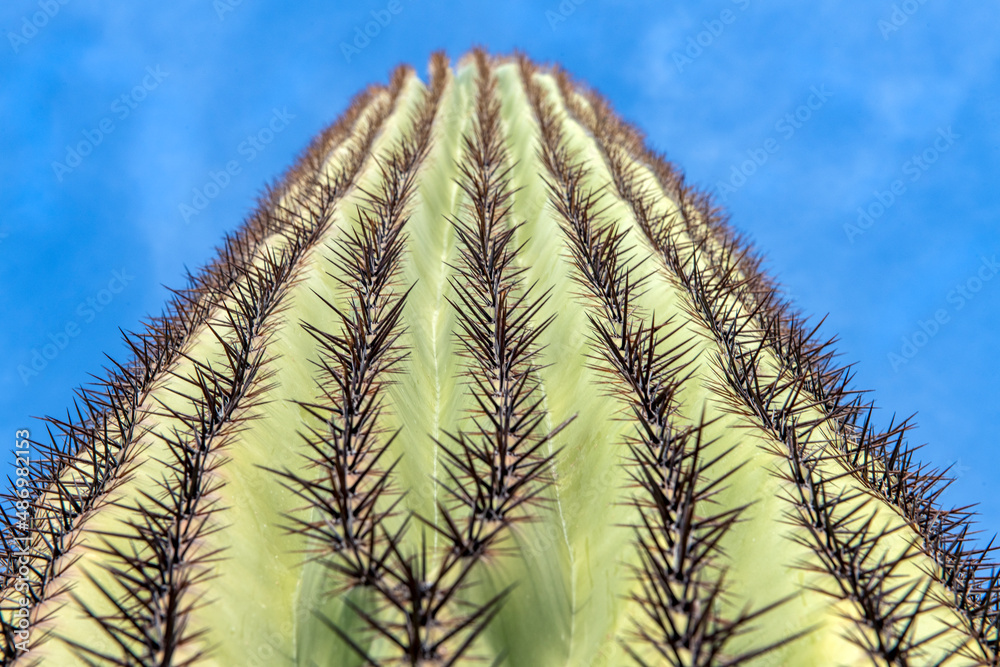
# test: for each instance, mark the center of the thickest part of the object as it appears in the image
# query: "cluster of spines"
(163, 561)
(419, 607)
(839, 524)
(735, 299)
(155, 559)
(87, 455)
(354, 366)
(495, 473)
(681, 584)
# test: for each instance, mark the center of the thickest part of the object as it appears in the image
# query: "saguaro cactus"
(483, 379)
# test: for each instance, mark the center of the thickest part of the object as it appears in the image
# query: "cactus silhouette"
(482, 379)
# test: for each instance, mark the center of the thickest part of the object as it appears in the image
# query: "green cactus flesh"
(483, 380)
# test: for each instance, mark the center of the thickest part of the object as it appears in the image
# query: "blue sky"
(857, 144)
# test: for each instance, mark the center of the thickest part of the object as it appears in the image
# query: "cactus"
(482, 378)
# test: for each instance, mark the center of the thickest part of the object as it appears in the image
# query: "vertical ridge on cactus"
(483, 379)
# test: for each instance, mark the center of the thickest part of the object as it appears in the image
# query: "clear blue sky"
(894, 111)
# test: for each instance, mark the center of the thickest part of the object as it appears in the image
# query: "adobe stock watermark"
(19, 548)
(957, 469)
(957, 299)
(786, 127)
(223, 7)
(559, 15)
(914, 168)
(363, 35)
(248, 150)
(86, 312)
(264, 648)
(993, 109)
(704, 39)
(31, 25)
(900, 15)
(123, 107)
